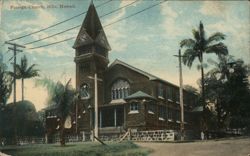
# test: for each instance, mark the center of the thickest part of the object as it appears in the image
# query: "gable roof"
(150, 76)
(139, 94)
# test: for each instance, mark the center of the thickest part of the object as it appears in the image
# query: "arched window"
(120, 89)
(84, 91)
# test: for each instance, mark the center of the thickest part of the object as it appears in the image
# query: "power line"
(51, 26)
(52, 35)
(52, 43)
(121, 19)
(119, 8)
(135, 13)
(79, 25)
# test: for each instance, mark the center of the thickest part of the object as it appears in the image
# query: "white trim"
(161, 119)
(170, 100)
(177, 121)
(161, 97)
(170, 120)
(133, 112)
(178, 102)
(115, 101)
(150, 112)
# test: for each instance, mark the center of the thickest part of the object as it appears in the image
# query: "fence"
(156, 135)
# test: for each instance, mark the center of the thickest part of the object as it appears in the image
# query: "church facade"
(127, 97)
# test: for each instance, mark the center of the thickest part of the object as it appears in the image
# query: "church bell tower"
(91, 58)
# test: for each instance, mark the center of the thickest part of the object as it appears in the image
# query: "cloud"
(169, 21)
(115, 33)
(213, 8)
(236, 29)
(44, 18)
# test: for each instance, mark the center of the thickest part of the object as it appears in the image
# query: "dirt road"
(228, 147)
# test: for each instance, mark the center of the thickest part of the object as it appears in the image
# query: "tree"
(195, 48)
(191, 89)
(227, 88)
(23, 71)
(5, 91)
(5, 85)
(61, 96)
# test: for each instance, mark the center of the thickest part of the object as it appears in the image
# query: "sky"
(147, 41)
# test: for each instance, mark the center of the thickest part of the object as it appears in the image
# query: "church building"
(127, 97)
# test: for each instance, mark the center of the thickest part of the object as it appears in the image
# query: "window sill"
(85, 98)
(161, 119)
(150, 112)
(161, 97)
(133, 112)
(170, 100)
(170, 120)
(177, 102)
(49, 117)
(178, 121)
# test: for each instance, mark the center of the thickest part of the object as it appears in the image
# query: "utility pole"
(15, 49)
(181, 95)
(96, 104)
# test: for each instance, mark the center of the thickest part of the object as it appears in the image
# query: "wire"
(119, 8)
(121, 19)
(134, 14)
(52, 35)
(52, 43)
(79, 25)
(57, 23)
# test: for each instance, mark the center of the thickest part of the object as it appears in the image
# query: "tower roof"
(91, 30)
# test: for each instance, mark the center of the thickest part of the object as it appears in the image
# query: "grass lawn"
(77, 149)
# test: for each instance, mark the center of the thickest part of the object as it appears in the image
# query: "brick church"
(127, 97)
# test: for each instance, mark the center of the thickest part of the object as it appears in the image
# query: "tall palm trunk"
(204, 127)
(62, 133)
(22, 89)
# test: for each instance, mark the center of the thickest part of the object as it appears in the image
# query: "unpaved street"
(228, 147)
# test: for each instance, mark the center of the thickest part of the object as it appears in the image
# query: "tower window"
(120, 89)
(84, 91)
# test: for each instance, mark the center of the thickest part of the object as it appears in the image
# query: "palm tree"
(23, 71)
(195, 48)
(62, 97)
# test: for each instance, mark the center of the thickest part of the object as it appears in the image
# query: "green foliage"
(195, 49)
(21, 119)
(23, 71)
(228, 90)
(61, 97)
(80, 149)
(200, 44)
(5, 84)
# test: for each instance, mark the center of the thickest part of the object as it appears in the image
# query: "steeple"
(91, 31)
